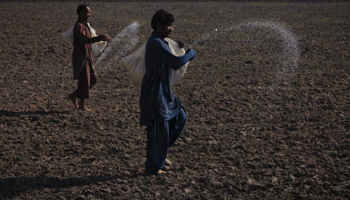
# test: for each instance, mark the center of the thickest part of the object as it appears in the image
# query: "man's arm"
(175, 62)
(79, 30)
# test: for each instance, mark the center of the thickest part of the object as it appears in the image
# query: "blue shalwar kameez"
(160, 110)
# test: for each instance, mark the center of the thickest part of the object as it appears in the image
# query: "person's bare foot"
(73, 98)
(85, 109)
(167, 162)
(82, 106)
(166, 168)
(159, 172)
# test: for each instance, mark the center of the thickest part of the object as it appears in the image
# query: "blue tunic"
(156, 92)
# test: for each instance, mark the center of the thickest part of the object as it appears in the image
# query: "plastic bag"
(96, 47)
(136, 65)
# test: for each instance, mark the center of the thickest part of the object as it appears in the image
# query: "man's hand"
(180, 44)
(105, 37)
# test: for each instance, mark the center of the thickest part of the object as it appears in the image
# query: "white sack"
(136, 65)
(68, 36)
(96, 47)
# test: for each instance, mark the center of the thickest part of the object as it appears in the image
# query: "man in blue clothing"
(160, 110)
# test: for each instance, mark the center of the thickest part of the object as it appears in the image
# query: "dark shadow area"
(39, 112)
(12, 187)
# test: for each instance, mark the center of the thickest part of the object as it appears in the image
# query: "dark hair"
(162, 17)
(81, 8)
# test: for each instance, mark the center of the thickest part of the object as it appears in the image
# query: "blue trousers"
(161, 135)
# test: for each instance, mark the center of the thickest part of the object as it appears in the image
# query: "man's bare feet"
(147, 173)
(167, 162)
(166, 168)
(82, 106)
(85, 109)
(73, 98)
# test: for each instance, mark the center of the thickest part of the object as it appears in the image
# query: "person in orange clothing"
(83, 60)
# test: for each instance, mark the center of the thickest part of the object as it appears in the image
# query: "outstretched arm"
(80, 32)
(176, 62)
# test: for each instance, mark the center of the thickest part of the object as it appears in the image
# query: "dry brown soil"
(248, 136)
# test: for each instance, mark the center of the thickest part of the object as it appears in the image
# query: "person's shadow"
(12, 187)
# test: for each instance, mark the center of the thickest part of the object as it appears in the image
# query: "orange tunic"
(83, 60)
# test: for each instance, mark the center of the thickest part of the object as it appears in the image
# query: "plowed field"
(267, 98)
